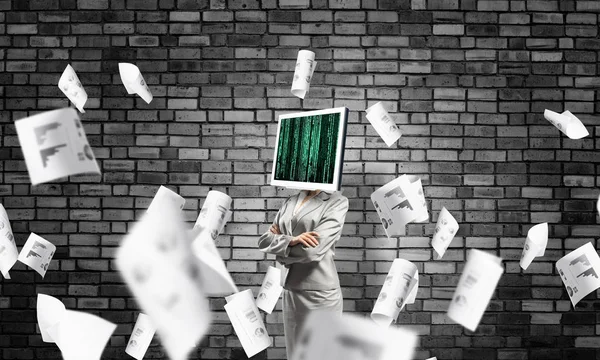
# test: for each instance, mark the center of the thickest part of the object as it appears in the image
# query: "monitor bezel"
(339, 163)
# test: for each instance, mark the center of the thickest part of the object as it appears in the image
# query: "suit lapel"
(309, 207)
(288, 215)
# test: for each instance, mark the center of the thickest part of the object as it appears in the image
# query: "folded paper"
(579, 271)
(400, 288)
(535, 245)
(445, 230)
(134, 82)
(156, 262)
(8, 247)
(475, 288)
(567, 123)
(141, 337)
(247, 322)
(70, 85)
(329, 336)
(215, 213)
(305, 67)
(37, 253)
(166, 197)
(383, 124)
(270, 290)
(78, 335)
(54, 145)
(400, 202)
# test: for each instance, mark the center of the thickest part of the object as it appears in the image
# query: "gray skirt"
(298, 303)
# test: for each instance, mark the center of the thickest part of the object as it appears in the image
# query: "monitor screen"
(309, 150)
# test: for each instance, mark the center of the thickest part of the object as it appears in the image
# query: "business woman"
(303, 237)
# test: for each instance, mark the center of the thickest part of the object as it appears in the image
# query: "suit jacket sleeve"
(273, 243)
(329, 230)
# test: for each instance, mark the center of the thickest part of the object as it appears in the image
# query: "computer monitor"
(309, 151)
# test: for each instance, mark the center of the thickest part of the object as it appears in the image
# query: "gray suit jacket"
(308, 268)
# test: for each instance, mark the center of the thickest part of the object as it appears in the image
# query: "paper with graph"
(329, 336)
(579, 271)
(166, 197)
(141, 337)
(270, 290)
(8, 248)
(70, 85)
(475, 288)
(156, 262)
(567, 123)
(398, 203)
(134, 82)
(37, 253)
(445, 230)
(400, 288)
(77, 334)
(54, 146)
(383, 124)
(305, 67)
(535, 245)
(247, 322)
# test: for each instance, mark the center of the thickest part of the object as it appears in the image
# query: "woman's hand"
(275, 229)
(308, 239)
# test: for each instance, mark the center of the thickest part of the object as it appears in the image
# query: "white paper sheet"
(70, 85)
(305, 67)
(433, 358)
(567, 123)
(54, 145)
(8, 247)
(37, 253)
(214, 214)
(579, 271)
(134, 82)
(141, 337)
(328, 336)
(445, 230)
(475, 288)
(400, 288)
(50, 311)
(383, 124)
(535, 245)
(78, 335)
(270, 290)
(157, 263)
(399, 202)
(247, 322)
(166, 197)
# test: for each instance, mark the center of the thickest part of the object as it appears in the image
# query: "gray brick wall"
(467, 82)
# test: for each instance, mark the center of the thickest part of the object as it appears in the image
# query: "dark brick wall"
(466, 80)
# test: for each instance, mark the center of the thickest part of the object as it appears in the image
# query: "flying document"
(166, 197)
(475, 288)
(37, 253)
(134, 82)
(329, 336)
(78, 335)
(399, 202)
(305, 67)
(70, 85)
(535, 245)
(270, 290)
(247, 322)
(383, 124)
(8, 247)
(445, 230)
(141, 337)
(567, 123)
(54, 145)
(579, 272)
(400, 288)
(157, 263)
(215, 213)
